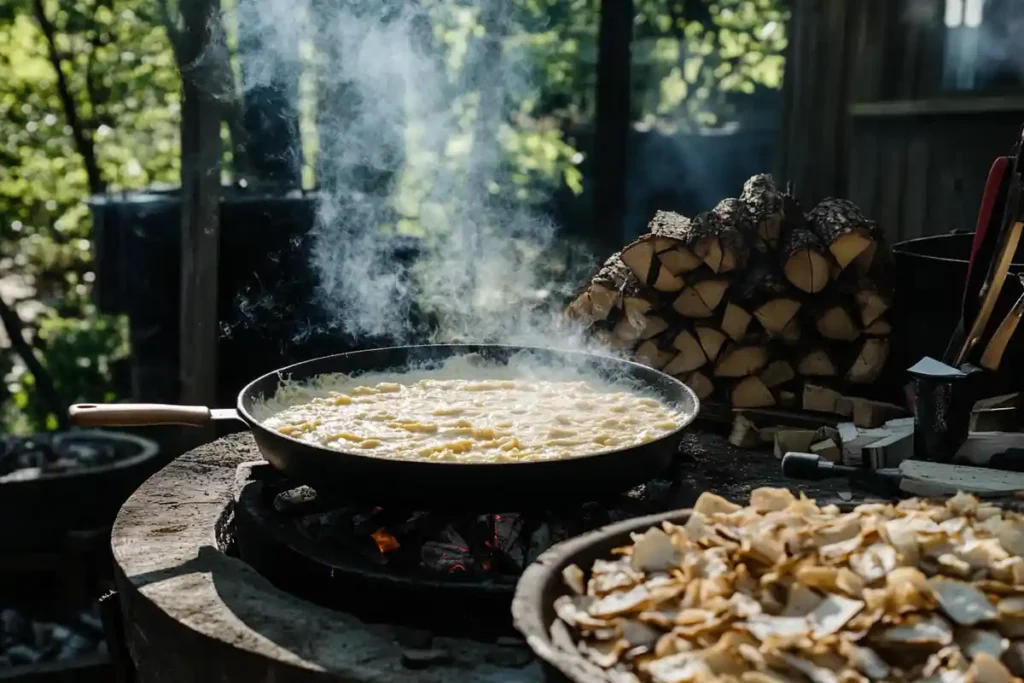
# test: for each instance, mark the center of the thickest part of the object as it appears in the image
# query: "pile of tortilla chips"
(784, 590)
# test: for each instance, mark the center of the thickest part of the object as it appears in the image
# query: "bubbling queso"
(469, 414)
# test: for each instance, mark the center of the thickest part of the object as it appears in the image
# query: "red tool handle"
(993, 185)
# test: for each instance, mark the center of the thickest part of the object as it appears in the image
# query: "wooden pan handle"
(137, 415)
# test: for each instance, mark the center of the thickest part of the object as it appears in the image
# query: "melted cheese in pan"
(485, 415)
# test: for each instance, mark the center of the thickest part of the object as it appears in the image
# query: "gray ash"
(25, 641)
(27, 457)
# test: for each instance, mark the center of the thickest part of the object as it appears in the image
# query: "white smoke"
(409, 138)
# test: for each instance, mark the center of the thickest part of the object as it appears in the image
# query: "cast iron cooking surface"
(468, 486)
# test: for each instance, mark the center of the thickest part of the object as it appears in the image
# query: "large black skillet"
(410, 484)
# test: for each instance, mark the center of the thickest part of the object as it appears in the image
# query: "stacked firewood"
(750, 300)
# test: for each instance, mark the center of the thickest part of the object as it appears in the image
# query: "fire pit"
(226, 571)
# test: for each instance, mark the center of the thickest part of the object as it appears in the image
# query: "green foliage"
(123, 83)
(691, 69)
(79, 354)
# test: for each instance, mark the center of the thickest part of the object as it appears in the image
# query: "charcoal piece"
(14, 625)
(508, 541)
(298, 501)
(333, 525)
(540, 540)
(21, 654)
(365, 523)
(75, 646)
(446, 558)
(91, 624)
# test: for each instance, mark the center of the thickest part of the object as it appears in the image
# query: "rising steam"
(404, 143)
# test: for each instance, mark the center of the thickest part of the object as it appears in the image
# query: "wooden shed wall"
(865, 116)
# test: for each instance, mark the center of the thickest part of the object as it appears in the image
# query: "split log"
(606, 286)
(842, 228)
(581, 309)
(737, 228)
(684, 297)
(869, 360)
(792, 332)
(700, 383)
(656, 352)
(641, 257)
(872, 305)
(805, 261)
(711, 340)
(869, 292)
(703, 239)
(837, 322)
(793, 441)
(702, 295)
(786, 398)
(636, 300)
(744, 433)
(820, 399)
(873, 260)
(734, 321)
(653, 326)
(765, 293)
(690, 355)
(751, 392)
(740, 360)
(879, 328)
(628, 330)
(816, 363)
(870, 414)
(828, 450)
(764, 202)
(607, 337)
(673, 235)
(776, 373)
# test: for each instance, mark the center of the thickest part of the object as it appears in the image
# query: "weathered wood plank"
(862, 176)
(939, 106)
(613, 117)
(200, 206)
(891, 174)
(915, 194)
(833, 48)
(869, 28)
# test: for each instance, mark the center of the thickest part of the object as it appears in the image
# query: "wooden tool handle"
(993, 355)
(992, 286)
(137, 415)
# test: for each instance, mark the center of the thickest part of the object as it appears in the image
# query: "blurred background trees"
(90, 104)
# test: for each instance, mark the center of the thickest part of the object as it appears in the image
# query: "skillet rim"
(675, 434)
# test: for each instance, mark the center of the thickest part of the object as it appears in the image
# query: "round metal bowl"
(84, 498)
(541, 584)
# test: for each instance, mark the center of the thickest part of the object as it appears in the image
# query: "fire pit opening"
(408, 565)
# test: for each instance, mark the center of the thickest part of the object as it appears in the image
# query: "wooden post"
(200, 205)
(613, 116)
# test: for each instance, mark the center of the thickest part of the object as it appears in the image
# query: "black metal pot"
(54, 541)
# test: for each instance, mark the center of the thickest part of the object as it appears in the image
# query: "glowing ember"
(385, 541)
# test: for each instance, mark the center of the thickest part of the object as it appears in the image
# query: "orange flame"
(386, 543)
